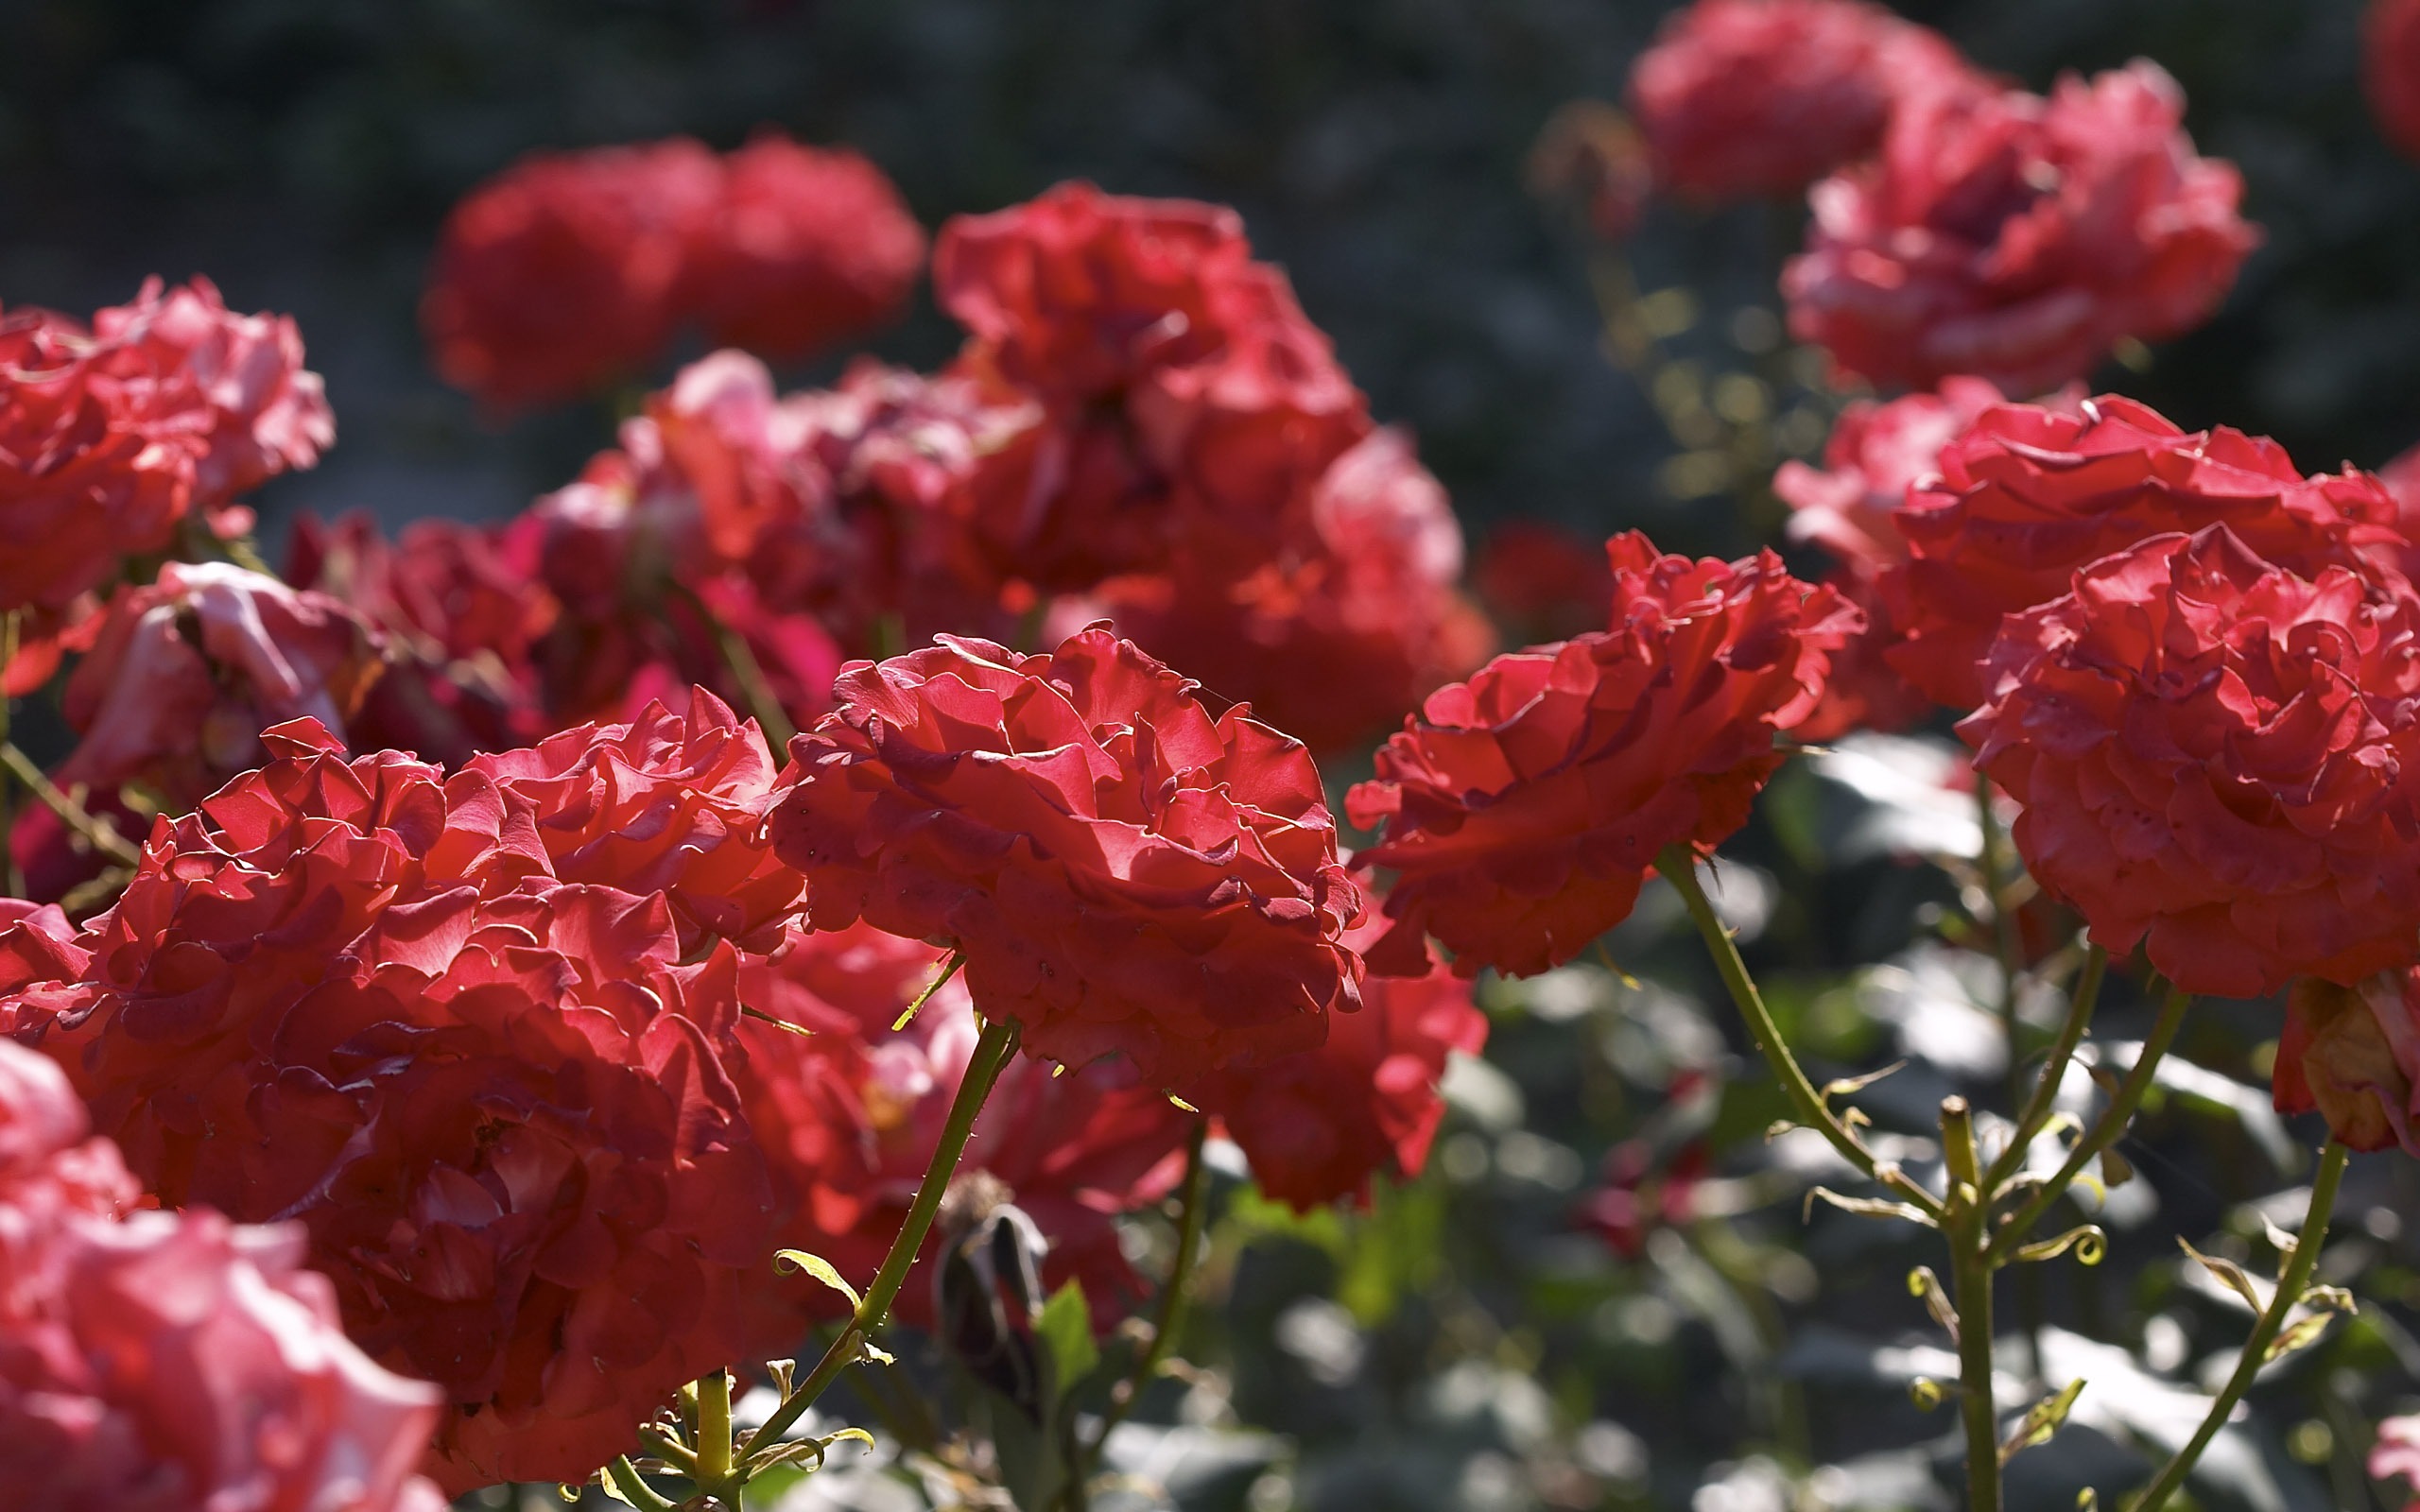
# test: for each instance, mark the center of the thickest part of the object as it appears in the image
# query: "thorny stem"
(1679, 868)
(2102, 1134)
(98, 833)
(992, 1053)
(1193, 1204)
(1967, 1228)
(2256, 1350)
(2036, 1112)
(714, 1427)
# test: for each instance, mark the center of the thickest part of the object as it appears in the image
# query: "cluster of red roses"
(571, 271)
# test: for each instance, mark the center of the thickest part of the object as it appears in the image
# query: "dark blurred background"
(301, 153)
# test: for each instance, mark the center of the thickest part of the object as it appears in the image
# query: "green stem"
(2004, 925)
(754, 691)
(13, 882)
(992, 1053)
(2290, 1286)
(634, 1490)
(2102, 1134)
(2037, 1112)
(1967, 1228)
(1193, 1204)
(98, 833)
(1680, 868)
(714, 1428)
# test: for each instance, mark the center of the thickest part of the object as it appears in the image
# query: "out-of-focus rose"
(807, 246)
(1636, 1195)
(185, 673)
(668, 803)
(2019, 238)
(1355, 621)
(1524, 808)
(1317, 1127)
(2218, 760)
(459, 623)
(1591, 155)
(1743, 99)
(851, 1116)
(564, 273)
(1179, 378)
(1540, 583)
(154, 1362)
(93, 466)
(2397, 1452)
(2026, 496)
(265, 413)
(2391, 70)
(1122, 872)
(2352, 1054)
(352, 994)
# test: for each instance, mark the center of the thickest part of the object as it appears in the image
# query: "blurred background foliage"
(1602, 1294)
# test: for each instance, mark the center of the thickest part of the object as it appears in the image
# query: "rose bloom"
(1121, 871)
(2391, 70)
(184, 675)
(564, 272)
(1746, 98)
(2352, 1054)
(1523, 809)
(1177, 375)
(668, 803)
(2018, 238)
(1589, 154)
(2029, 494)
(2218, 760)
(93, 466)
(807, 246)
(352, 994)
(1849, 507)
(460, 622)
(1318, 1125)
(1637, 1195)
(851, 1116)
(154, 1362)
(2396, 1451)
(266, 414)
(1541, 582)
(1350, 628)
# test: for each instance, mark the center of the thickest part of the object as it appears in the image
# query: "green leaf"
(1066, 1329)
(796, 1261)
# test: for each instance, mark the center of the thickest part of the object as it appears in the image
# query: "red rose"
(1122, 872)
(93, 467)
(668, 803)
(266, 414)
(460, 623)
(1590, 154)
(2391, 70)
(1524, 808)
(1743, 99)
(564, 272)
(185, 673)
(2028, 495)
(2019, 238)
(2218, 760)
(852, 1114)
(807, 246)
(155, 1362)
(1181, 383)
(1850, 508)
(1356, 620)
(1638, 1195)
(1318, 1125)
(352, 994)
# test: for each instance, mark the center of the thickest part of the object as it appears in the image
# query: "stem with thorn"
(1680, 868)
(2291, 1285)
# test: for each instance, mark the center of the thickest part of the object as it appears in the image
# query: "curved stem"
(634, 1490)
(992, 1053)
(2264, 1332)
(2102, 1134)
(1680, 868)
(1193, 1207)
(2037, 1112)
(96, 832)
